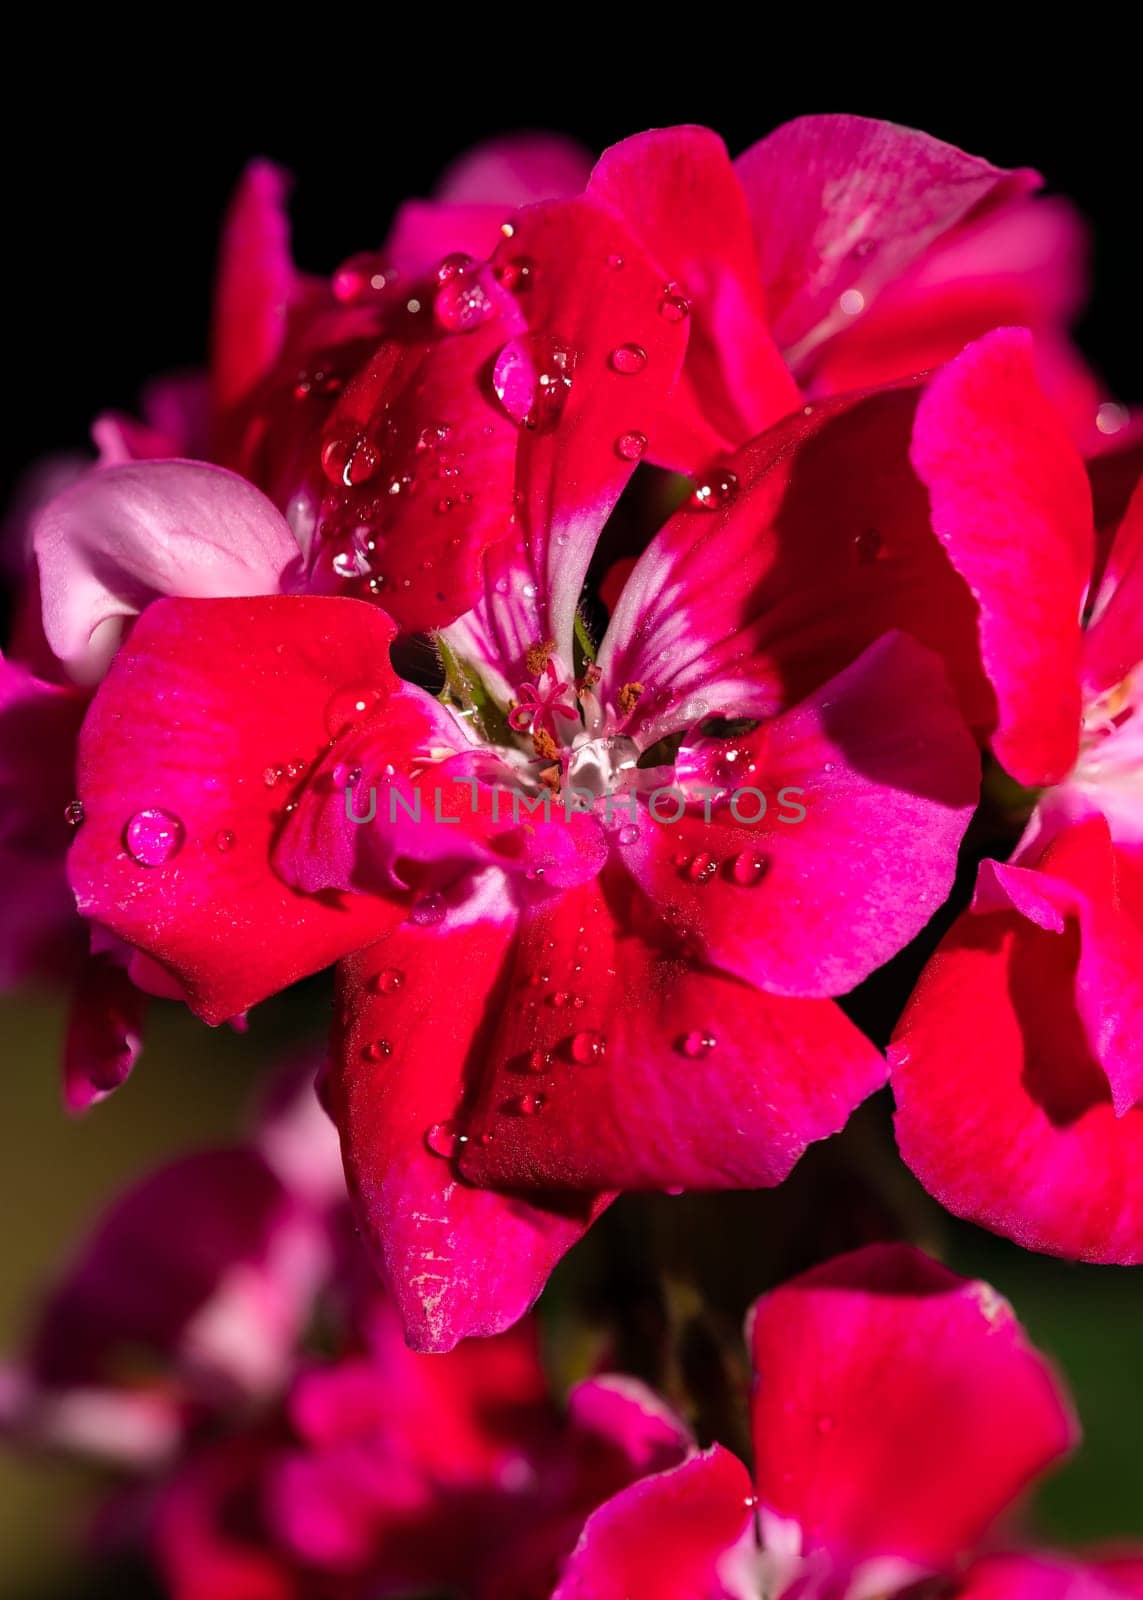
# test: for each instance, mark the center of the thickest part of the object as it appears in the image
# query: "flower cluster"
(693, 534)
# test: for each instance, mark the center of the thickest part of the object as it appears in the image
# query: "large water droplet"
(387, 981)
(587, 1046)
(702, 868)
(532, 378)
(346, 707)
(443, 1139)
(716, 490)
(696, 1044)
(537, 1060)
(152, 836)
(378, 1050)
(349, 459)
(674, 305)
(516, 274)
(628, 359)
(748, 868)
(462, 302)
(526, 1105)
(631, 446)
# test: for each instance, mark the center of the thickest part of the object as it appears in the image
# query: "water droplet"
(428, 439)
(428, 911)
(377, 1050)
(224, 840)
(537, 1060)
(851, 303)
(272, 776)
(630, 446)
(628, 834)
(153, 836)
(526, 1105)
(532, 378)
(359, 278)
(869, 547)
(560, 999)
(716, 491)
(346, 707)
(349, 459)
(674, 305)
(702, 868)
(587, 1046)
(615, 262)
(74, 813)
(462, 302)
(628, 359)
(696, 1044)
(387, 981)
(443, 1139)
(748, 868)
(1111, 418)
(516, 274)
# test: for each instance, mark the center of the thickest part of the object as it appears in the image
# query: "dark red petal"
(255, 283)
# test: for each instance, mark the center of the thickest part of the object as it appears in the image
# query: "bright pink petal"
(1012, 507)
(621, 1063)
(1003, 1110)
(898, 1408)
(666, 1537)
(1046, 1577)
(865, 791)
(255, 284)
(844, 204)
(206, 702)
(817, 542)
(677, 191)
(479, 191)
(624, 358)
(459, 1261)
(120, 538)
(1074, 888)
(631, 1418)
(104, 1035)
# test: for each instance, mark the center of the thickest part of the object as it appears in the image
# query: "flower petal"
(1046, 1577)
(104, 1035)
(843, 203)
(1012, 506)
(665, 1537)
(677, 191)
(205, 699)
(120, 538)
(854, 803)
(256, 282)
(816, 542)
(898, 1408)
(458, 1261)
(621, 1063)
(1003, 1110)
(569, 476)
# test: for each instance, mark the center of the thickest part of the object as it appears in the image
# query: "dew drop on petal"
(628, 359)
(346, 707)
(378, 1050)
(851, 303)
(272, 776)
(717, 490)
(152, 836)
(697, 1043)
(587, 1046)
(74, 813)
(748, 868)
(869, 547)
(387, 981)
(702, 868)
(674, 306)
(443, 1139)
(628, 834)
(630, 446)
(428, 439)
(532, 378)
(429, 910)
(526, 1105)
(462, 302)
(516, 273)
(224, 840)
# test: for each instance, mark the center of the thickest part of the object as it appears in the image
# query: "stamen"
(629, 697)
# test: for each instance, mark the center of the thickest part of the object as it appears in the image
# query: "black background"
(115, 214)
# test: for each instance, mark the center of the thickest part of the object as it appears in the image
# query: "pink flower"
(897, 1412)
(638, 997)
(1018, 1068)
